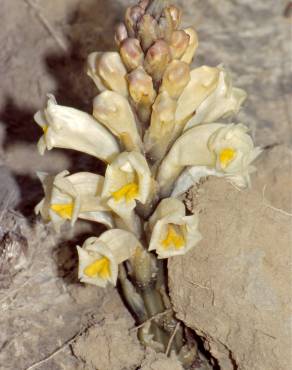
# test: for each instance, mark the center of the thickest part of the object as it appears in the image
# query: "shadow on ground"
(87, 30)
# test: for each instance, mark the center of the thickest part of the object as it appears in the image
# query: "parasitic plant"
(156, 123)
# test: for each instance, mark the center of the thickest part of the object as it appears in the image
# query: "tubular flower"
(202, 83)
(224, 147)
(114, 111)
(108, 72)
(173, 233)
(127, 180)
(158, 136)
(234, 151)
(99, 257)
(224, 101)
(72, 197)
(70, 128)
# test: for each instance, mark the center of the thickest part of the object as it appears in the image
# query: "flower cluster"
(156, 123)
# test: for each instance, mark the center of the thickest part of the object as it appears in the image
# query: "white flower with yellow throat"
(100, 257)
(69, 197)
(127, 181)
(172, 232)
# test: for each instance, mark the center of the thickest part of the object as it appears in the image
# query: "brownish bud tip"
(131, 53)
(157, 58)
(179, 43)
(148, 31)
(175, 14)
(132, 17)
(143, 4)
(166, 25)
(192, 46)
(156, 7)
(121, 33)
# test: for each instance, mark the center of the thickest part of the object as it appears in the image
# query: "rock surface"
(112, 342)
(154, 361)
(234, 288)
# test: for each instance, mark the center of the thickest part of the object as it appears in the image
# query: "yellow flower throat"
(129, 192)
(173, 238)
(63, 210)
(226, 156)
(99, 268)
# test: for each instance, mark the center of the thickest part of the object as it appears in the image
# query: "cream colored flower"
(204, 81)
(114, 111)
(235, 151)
(108, 71)
(127, 180)
(190, 149)
(158, 137)
(224, 101)
(173, 233)
(224, 147)
(70, 128)
(68, 197)
(100, 257)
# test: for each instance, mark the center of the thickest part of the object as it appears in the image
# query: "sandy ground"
(43, 47)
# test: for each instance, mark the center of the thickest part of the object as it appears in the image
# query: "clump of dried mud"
(234, 288)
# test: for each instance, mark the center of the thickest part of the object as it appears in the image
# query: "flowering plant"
(157, 125)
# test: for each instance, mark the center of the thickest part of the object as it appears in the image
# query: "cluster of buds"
(156, 123)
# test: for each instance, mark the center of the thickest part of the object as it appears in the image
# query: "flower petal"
(70, 128)
(114, 111)
(172, 233)
(190, 149)
(203, 82)
(108, 71)
(191, 176)
(224, 101)
(188, 55)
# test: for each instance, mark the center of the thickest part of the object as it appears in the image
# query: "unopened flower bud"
(133, 15)
(157, 58)
(166, 25)
(175, 14)
(148, 31)
(175, 78)
(131, 53)
(143, 4)
(156, 8)
(108, 72)
(114, 111)
(142, 92)
(192, 47)
(141, 86)
(179, 43)
(159, 135)
(121, 34)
